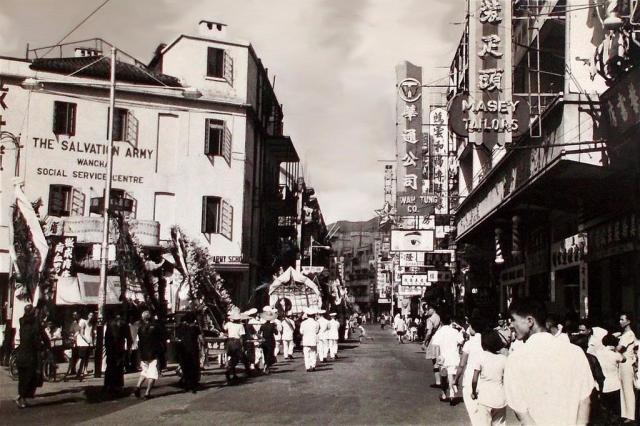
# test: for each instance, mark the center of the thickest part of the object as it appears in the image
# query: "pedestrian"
(29, 356)
(400, 326)
(151, 345)
(279, 342)
(323, 324)
(74, 330)
(555, 328)
(505, 332)
(595, 334)
(431, 326)
(488, 382)
(189, 341)
(471, 351)
(333, 334)
(235, 332)
(288, 329)
(383, 321)
(268, 333)
(447, 341)
(309, 330)
(546, 381)
(610, 360)
(116, 339)
(85, 339)
(626, 346)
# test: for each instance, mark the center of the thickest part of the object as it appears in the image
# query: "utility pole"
(104, 252)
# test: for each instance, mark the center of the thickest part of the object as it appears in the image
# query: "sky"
(334, 63)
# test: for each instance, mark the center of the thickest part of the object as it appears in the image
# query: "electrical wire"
(76, 27)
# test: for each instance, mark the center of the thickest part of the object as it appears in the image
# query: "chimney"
(212, 29)
(83, 52)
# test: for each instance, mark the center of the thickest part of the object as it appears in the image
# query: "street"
(377, 381)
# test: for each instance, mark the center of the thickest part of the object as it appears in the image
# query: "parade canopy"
(299, 289)
(84, 289)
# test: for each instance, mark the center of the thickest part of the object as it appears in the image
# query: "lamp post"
(311, 247)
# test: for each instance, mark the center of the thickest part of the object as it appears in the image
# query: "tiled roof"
(125, 72)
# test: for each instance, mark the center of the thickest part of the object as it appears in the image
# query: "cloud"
(334, 62)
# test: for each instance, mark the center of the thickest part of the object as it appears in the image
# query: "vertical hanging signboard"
(409, 141)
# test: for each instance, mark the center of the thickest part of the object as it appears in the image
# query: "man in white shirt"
(546, 381)
(309, 331)
(323, 346)
(288, 328)
(447, 341)
(400, 326)
(555, 329)
(333, 334)
(471, 351)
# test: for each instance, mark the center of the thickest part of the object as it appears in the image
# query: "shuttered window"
(219, 64)
(218, 139)
(60, 200)
(210, 215)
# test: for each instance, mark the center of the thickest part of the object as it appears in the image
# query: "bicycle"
(49, 366)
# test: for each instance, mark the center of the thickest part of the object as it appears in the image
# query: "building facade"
(534, 161)
(198, 143)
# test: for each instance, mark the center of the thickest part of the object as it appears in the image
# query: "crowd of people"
(547, 371)
(257, 340)
(252, 339)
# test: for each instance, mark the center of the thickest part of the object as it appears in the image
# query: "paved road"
(375, 382)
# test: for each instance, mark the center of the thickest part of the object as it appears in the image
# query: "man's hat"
(250, 312)
(235, 316)
(267, 309)
(333, 314)
(321, 311)
(268, 315)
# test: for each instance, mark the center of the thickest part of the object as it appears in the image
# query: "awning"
(84, 289)
(571, 181)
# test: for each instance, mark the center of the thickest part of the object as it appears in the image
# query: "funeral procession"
(345, 212)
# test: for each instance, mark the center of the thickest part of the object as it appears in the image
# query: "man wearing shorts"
(400, 326)
(151, 348)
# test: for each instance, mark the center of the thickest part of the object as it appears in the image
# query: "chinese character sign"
(439, 133)
(63, 255)
(487, 114)
(409, 140)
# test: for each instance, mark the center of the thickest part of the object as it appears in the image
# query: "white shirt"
(610, 360)
(562, 337)
(333, 329)
(595, 340)
(85, 335)
(399, 324)
(278, 324)
(473, 349)
(548, 379)
(448, 339)
(288, 326)
(309, 330)
(628, 340)
(234, 330)
(490, 381)
(322, 332)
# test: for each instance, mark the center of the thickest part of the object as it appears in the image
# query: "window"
(217, 139)
(64, 118)
(219, 64)
(125, 126)
(60, 200)
(121, 202)
(210, 215)
(217, 216)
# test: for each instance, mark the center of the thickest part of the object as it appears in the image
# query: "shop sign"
(63, 255)
(409, 141)
(383, 301)
(621, 105)
(569, 252)
(411, 258)
(227, 259)
(421, 280)
(311, 269)
(513, 275)
(439, 160)
(412, 240)
(439, 276)
(439, 258)
(486, 113)
(614, 237)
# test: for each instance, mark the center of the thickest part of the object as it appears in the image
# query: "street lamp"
(311, 247)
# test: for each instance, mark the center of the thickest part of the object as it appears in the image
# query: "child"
(487, 385)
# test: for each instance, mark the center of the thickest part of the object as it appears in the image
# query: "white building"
(195, 162)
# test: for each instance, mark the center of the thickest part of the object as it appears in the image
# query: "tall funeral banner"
(409, 140)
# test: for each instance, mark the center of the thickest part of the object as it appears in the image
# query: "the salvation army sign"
(467, 116)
